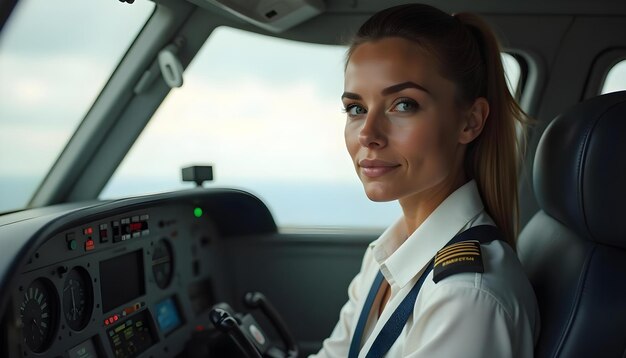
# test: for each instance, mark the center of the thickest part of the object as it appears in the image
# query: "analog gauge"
(38, 314)
(162, 264)
(77, 298)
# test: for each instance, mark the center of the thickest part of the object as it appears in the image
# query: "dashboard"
(128, 278)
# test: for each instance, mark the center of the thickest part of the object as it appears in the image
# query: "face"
(404, 130)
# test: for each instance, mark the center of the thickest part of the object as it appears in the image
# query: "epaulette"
(464, 256)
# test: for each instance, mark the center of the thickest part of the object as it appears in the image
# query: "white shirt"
(490, 314)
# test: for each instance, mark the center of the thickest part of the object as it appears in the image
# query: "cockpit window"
(55, 58)
(513, 72)
(615, 79)
(266, 112)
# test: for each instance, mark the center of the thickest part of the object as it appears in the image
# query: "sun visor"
(272, 15)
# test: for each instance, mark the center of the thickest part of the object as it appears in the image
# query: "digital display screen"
(167, 316)
(83, 350)
(121, 279)
(131, 337)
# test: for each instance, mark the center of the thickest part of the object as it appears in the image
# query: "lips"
(374, 168)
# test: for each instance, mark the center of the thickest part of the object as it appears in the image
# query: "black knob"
(61, 270)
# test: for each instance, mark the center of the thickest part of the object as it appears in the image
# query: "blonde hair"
(469, 55)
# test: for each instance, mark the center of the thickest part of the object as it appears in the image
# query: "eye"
(354, 110)
(405, 105)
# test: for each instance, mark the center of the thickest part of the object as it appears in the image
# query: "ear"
(474, 120)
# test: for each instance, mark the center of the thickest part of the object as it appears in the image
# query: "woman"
(431, 123)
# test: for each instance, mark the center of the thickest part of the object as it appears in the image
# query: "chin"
(379, 194)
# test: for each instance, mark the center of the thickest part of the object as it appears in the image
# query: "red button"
(89, 245)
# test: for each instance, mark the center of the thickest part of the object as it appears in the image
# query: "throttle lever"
(258, 300)
(227, 323)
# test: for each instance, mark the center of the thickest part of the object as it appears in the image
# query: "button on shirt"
(490, 314)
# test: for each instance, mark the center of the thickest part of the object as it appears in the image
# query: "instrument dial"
(38, 315)
(162, 264)
(77, 298)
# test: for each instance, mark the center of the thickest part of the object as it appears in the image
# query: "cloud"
(247, 129)
(38, 148)
(255, 107)
(51, 76)
(51, 90)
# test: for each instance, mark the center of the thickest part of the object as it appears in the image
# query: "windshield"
(55, 58)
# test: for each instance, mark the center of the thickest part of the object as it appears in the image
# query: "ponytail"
(492, 158)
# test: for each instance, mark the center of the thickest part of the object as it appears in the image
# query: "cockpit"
(173, 174)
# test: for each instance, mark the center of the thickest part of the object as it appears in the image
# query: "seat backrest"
(574, 248)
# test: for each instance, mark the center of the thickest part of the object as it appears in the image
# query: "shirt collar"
(400, 264)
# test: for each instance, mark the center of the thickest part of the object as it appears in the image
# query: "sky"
(55, 57)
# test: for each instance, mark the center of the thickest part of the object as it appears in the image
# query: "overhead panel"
(272, 15)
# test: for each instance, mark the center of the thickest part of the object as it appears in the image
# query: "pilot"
(431, 123)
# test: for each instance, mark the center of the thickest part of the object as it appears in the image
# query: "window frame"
(522, 61)
(600, 69)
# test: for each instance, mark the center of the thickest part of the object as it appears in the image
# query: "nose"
(373, 133)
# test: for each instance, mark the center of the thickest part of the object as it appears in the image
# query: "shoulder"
(493, 313)
(503, 284)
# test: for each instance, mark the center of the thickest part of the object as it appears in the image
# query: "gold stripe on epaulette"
(472, 243)
(471, 248)
(456, 253)
(459, 249)
(447, 257)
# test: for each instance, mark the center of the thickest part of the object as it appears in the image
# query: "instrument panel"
(136, 283)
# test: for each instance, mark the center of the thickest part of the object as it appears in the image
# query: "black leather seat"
(574, 248)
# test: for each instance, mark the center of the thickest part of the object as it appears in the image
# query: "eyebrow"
(399, 87)
(389, 90)
(351, 95)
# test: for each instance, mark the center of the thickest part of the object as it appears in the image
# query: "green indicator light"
(197, 212)
(72, 245)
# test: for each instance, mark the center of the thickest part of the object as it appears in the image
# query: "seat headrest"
(579, 171)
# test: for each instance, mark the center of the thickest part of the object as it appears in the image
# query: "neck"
(419, 206)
